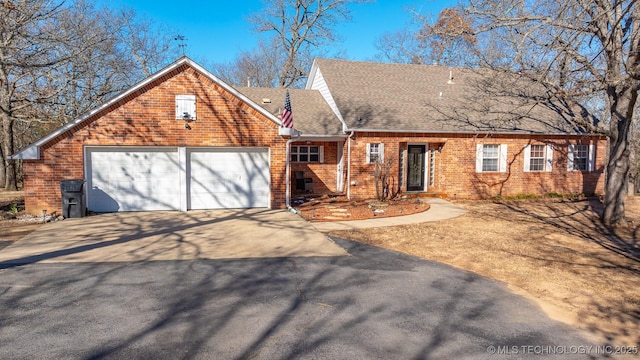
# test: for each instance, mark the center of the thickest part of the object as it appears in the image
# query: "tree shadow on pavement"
(372, 304)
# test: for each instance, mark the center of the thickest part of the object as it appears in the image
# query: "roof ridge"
(381, 63)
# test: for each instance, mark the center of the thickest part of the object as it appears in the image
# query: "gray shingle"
(398, 97)
(311, 113)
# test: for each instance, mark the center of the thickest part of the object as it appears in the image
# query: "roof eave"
(472, 132)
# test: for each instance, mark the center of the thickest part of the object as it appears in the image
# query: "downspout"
(288, 174)
(349, 166)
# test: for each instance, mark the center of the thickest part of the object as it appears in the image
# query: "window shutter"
(368, 154)
(381, 153)
(548, 166)
(503, 158)
(479, 157)
(321, 153)
(185, 104)
(570, 151)
(590, 161)
(527, 158)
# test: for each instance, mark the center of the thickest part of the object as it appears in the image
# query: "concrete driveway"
(170, 235)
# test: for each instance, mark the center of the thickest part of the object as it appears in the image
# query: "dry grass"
(11, 205)
(553, 251)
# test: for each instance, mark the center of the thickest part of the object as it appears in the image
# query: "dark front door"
(415, 168)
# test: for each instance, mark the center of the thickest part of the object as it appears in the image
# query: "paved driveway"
(374, 304)
(170, 235)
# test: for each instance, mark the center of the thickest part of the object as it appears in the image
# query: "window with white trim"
(491, 158)
(186, 107)
(313, 153)
(538, 158)
(375, 153)
(580, 157)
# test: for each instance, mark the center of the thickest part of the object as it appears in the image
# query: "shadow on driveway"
(153, 236)
(374, 304)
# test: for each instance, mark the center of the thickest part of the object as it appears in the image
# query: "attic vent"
(450, 77)
(266, 101)
(186, 107)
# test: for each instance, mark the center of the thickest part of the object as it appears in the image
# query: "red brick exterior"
(455, 165)
(323, 174)
(147, 118)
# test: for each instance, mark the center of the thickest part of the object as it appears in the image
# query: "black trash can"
(73, 204)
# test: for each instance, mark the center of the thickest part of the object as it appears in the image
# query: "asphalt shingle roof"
(311, 113)
(396, 97)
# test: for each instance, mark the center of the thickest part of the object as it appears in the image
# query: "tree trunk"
(618, 163)
(7, 149)
(2, 168)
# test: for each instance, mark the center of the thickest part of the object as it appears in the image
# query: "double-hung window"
(375, 153)
(580, 158)
(312, 154)
(491, 158)
(538, 158)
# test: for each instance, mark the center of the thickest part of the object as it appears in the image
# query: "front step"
(425, 195)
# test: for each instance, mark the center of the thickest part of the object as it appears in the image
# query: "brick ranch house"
(182, 139)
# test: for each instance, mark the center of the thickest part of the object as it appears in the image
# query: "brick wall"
(455, 166)
(323, 174)
(147, 118)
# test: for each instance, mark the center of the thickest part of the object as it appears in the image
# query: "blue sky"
(216, 31)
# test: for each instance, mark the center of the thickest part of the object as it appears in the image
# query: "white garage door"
(148, 178)
(228, 178)
(133, 179)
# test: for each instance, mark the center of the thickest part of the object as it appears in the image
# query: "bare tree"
(448, 39)
(585, 53)
(299, 28)
(401, 47)
(38, 39)
(58, 59)
(148, 46)
(260, 67)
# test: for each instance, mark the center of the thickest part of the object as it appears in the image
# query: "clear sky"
(216, 31)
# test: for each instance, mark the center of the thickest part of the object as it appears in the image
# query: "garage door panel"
(133, 180)
(147, 178)
(229, 179)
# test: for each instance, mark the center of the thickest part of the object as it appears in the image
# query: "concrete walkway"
(440, 210)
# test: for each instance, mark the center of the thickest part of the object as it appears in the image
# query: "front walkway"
(440, 210)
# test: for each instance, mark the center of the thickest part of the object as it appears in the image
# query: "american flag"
(287, 114)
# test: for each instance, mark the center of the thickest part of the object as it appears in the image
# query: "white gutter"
(349, 166)
(471, 132)
(288, 174)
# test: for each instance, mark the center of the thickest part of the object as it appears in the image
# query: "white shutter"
(527, 158)
(321, 153)
(548, 166)
(368, 154)
(185, 104)
(590, 160)
(503, 157)
(479, 157)
(570, 151)
(381, 153)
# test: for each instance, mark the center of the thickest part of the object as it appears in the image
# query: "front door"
(415, 167)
